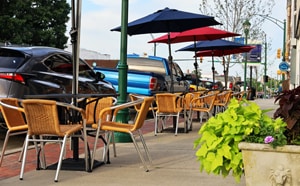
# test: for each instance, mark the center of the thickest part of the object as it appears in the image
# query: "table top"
(68, 95)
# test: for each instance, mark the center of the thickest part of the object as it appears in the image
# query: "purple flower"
(269, 139)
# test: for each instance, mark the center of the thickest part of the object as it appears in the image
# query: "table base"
(172, 130)
(75, 165)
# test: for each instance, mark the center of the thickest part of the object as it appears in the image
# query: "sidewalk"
(174, 163)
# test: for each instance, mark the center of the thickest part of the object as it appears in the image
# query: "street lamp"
(282, 26)
(246, 27)
(265, 69)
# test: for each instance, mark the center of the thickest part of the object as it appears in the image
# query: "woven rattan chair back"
(142, 115)
(134, 97)
(209, 101)
(167, 103)
(187, 99)
(14, 121)
(203, 104)
(222, 101)
(42, 117)
(13, 118)
(93, 108)
(92, 115)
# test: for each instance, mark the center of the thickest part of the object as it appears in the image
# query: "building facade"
(293, 41)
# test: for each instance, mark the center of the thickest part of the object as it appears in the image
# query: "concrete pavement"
(174, 163)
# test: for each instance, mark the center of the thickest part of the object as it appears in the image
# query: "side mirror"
(100, 76)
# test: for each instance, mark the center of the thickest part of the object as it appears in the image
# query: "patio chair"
(222, 101)
(168, 104)
(15, 123)
(42, 120)
(93, 107)
(188, 97)
(114, 126)
(137, 108)
(203, 104)
(239, 95)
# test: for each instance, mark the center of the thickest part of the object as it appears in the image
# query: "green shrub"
(218, 151)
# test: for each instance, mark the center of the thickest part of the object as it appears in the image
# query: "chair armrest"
(69, 106)
(201, 97)
(115, 109)
(12, 107)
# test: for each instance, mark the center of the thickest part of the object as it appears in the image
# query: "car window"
(146, 65)
(62, 63)
(207, 84)
(177, 70)
(11, 59)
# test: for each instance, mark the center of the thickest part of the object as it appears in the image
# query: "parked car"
(45, 70)
(238, 86)
(260, 94)
(203, 83)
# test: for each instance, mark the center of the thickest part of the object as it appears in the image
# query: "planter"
(265, 166)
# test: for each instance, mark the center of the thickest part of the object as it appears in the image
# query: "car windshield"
(11, 59)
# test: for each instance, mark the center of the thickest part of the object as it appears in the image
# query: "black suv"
(45, 70)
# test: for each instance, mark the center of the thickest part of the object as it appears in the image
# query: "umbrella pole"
(171, 73)
(171, 63)
(75, 40)
(213, 67)
(225, 72)
(196, 64)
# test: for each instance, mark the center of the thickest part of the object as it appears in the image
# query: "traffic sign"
(284, 66)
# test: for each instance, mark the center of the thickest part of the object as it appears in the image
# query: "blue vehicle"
(147, 75)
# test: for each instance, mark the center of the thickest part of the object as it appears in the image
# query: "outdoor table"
(68, 164)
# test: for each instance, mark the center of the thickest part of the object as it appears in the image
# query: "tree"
(39, 22)
(233, 13)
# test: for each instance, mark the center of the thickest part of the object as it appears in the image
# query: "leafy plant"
(289, 111)
(218, 151)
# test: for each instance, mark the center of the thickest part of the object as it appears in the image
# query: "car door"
(180, 84)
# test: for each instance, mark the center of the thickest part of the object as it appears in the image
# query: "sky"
(100, 16)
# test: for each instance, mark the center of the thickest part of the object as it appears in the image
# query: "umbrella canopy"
(224, 52)
(218, 44)
(168, 20)
(196, 34)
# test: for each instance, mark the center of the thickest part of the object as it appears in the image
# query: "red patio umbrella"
(224, 52)
(196, 34)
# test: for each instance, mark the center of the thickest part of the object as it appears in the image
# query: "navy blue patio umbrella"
(168, 20)
(217, 45)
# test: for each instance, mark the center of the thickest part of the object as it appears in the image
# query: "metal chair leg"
(61, 155)
(139, 152)
(145, 146)
(4, 146)
(24, 157)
